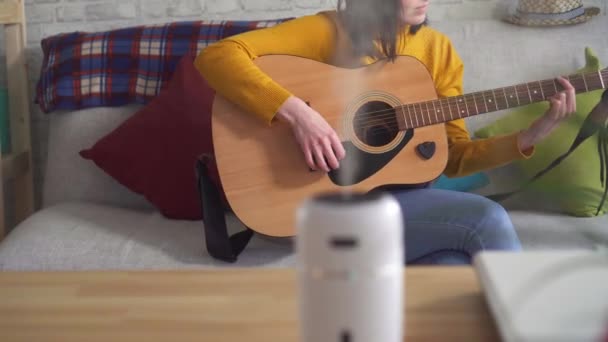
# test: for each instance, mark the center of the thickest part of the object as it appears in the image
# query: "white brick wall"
(48, 17)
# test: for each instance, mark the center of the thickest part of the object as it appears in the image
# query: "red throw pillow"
(154, 152)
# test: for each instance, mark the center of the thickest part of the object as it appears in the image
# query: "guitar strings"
(379, 122)
(379, 129)
(472, 97)
(481, 94)
(388, 113)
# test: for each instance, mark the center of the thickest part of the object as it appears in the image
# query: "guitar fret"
(491, 101)
(541, 89)
(534, 94)
(512, 101)
(585, 81)
(451, 102)
(520, 99)
(465, 106)
(451, 106)
(427, 112)
(475, 102)
(441, 110)
(447, 101)
(555, 86)
(467, 99)
(404, 118)
(546, 89)
(573, 80)
(504, 92)
(435, 110)
(422, 114)
(495, 99)
(601, 79)
(483, 96)
(465, 110)
(412, 115)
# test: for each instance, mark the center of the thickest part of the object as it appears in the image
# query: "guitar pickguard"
(359, 165)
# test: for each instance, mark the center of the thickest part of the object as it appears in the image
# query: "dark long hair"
(368, 20)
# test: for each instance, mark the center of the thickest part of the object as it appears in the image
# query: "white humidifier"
(350, 262)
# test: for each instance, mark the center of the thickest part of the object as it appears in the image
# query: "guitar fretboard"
(457, 107)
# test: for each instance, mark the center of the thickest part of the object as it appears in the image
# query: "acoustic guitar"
(387, 115)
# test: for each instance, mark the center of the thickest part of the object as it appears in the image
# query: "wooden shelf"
(14, 165)
(10, 12)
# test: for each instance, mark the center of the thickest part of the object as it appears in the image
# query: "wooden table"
(442, 304)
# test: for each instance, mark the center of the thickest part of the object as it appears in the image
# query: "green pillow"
(573, 186)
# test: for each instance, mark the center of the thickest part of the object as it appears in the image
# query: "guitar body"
(261, 166)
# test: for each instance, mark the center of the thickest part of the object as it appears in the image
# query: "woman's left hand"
(563, 105)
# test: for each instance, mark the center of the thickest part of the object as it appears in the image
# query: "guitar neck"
(432, 112)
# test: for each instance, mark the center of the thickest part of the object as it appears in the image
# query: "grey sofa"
(89, 221)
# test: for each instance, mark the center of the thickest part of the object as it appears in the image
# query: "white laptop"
(547, 295)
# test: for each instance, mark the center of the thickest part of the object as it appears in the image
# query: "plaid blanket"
(116, 67)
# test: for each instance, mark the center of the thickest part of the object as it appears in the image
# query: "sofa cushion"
(67, 176)
(546, 230)
(85, 236)
(574, 185)
(154, 152)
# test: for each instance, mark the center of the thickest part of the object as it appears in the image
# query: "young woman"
(443, 227)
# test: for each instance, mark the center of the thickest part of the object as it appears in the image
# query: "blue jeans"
(449, 227)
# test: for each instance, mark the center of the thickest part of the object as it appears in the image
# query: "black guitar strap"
(596, 122)
(219, 244)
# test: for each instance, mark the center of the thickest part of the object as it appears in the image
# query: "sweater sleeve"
(467, 156)
(228, 65)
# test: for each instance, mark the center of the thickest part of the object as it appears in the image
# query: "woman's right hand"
(319, 142)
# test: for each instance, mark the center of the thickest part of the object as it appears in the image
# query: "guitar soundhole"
(375, 124)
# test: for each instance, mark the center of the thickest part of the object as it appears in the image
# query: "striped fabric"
(117, 67)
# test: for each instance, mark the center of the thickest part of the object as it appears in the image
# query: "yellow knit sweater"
(228, 68)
